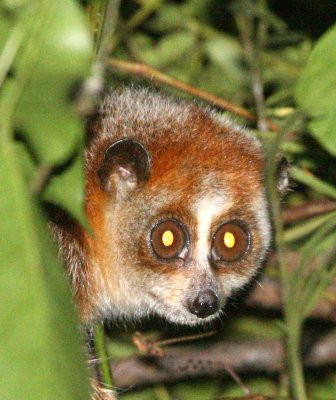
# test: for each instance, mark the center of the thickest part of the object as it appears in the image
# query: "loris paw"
(101, 393)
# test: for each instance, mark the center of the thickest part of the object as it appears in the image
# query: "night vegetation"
(271, 65)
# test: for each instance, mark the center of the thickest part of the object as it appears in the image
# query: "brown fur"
(187, 145)
(198, 162)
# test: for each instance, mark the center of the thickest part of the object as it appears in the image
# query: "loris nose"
(205, 304)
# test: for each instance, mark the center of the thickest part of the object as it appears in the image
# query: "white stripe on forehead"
(206, 211)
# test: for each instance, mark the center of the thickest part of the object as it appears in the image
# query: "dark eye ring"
(169, 238)
(230, 242)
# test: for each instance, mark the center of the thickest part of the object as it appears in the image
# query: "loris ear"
(283, 175)
(125, 166)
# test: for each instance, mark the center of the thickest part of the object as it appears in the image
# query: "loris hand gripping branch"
(176, 200)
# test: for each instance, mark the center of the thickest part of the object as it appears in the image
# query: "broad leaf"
(312, 181)
(316, 91)
(66, 189)
(56, 56)
(40, 350)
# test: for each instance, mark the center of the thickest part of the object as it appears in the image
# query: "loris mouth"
(181, 317)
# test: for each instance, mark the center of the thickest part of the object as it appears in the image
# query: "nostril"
(206, 303)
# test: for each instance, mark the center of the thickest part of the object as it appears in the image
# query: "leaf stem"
(246, 30)
(292, 318)
(103, 357)
(294, 358)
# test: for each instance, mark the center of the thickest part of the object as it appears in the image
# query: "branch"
(267, 295)
(254, 397)
(148, 72)
(191, 361)
(307, 210)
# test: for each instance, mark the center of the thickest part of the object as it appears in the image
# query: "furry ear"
(126, 164)
(283, 175)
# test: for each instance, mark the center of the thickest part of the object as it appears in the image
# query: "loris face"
(176, 202)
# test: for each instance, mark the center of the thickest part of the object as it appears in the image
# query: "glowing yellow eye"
(229, 240)
(167, 238)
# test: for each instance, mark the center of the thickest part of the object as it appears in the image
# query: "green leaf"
(28, 166)
(66, 189)
(168, 18)
(323, 385)
(11, 5)
(146, 394)
(225, 52)
(316, 91)
(312, 181)
(54, 58)
(41, 353)
(40, 350)
(119, 348)
(167, 51)
(303, 229)
(11, 38)
(197, 390)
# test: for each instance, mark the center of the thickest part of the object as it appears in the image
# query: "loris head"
(176, 201)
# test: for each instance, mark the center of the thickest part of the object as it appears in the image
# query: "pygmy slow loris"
(176, 200)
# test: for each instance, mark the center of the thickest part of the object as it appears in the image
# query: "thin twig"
(245, 26)
(106, 14)
(103, 17)
(40, 179)
(146, 346)
(154, 348)
(237, 379)
(145, 71)
(185, 338)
